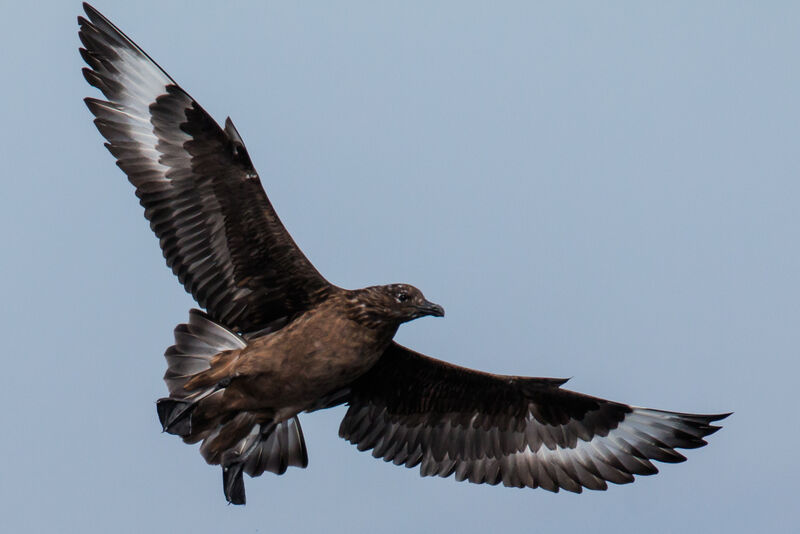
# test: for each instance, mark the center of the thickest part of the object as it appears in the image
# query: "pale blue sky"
(608, 193)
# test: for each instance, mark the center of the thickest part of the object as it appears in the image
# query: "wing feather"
(203, 198)
(523, 432)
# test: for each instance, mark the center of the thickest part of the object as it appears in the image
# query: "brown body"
(241, 396)
(288, 371)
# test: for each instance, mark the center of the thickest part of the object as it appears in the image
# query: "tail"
(242, 442)
(196, 343)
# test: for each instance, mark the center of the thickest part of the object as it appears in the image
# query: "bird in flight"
(277, 339)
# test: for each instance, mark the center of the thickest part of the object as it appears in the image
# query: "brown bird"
(277, 339)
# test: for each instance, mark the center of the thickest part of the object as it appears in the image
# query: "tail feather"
(281, 448)
(269, 447)
(242, 442)
(233, 484)
(174, 415)
(195, 344)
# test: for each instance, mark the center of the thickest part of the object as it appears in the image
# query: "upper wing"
(411, 409)
(216, 227)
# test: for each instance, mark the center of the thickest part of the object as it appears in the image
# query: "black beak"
(429, 308)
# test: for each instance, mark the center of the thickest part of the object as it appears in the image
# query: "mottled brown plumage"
(277, 339)
(321, 351)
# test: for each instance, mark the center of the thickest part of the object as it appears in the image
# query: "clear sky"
(608, 193)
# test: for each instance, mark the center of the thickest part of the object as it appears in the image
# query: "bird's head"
(393, 303)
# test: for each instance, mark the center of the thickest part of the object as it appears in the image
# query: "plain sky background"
(604, 192)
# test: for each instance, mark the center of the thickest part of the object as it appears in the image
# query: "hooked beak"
(429, 308)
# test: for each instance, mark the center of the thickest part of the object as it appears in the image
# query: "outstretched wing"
(201, 194)
(412, 410)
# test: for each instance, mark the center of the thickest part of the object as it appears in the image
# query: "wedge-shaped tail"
(242, 442)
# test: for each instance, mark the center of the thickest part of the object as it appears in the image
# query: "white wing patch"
(644, 434)
(552, 457)
(132, 82)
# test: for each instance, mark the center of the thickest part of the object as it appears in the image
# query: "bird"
(275, 339)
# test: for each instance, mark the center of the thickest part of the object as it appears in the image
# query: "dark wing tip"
(93, 15)
(91, 12)
(561, 381)
(692, 428)
(706, 420)
(719, 416)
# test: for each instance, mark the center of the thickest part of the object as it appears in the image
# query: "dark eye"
(402, 296)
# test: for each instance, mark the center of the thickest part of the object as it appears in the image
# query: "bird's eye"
(402, 297)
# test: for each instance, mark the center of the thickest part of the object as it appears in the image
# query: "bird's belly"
(320, 372)
(300, 377)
